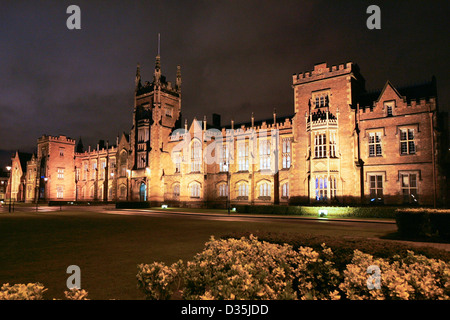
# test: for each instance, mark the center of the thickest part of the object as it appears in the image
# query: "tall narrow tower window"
(264, 155)
(286, 153)
(196, 154)
(320, 145)
(243, 156)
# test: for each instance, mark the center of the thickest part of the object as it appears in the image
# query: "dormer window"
(389, 107)
(389, 111)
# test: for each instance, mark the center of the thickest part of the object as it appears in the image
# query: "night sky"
(236, 57)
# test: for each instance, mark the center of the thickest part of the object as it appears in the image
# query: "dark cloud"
(236, 57)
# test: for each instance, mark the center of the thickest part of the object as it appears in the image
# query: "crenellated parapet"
(321, 71)
(60, 139)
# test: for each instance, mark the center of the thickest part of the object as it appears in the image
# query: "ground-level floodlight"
(323, 213)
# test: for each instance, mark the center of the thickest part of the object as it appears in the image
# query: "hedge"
(423, 222)
(357, 212)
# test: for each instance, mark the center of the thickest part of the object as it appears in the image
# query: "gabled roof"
(24, 157)
(388, 84)
(424, 90)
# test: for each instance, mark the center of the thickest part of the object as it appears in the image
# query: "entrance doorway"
(143, 192)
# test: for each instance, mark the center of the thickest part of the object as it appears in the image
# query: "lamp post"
(9, 185)
(37, 196)
(45, 188)
(76, 183)
(228, 184)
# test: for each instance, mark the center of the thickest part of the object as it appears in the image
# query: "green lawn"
(38, 247)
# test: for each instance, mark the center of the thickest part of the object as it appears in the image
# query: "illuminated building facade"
(341, 145)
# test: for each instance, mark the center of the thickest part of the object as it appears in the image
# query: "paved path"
(225, 217)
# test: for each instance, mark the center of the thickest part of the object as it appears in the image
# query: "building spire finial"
(159, 43)
(157, 74)
(138, 76)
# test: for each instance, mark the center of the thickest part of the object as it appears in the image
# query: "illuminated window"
(264, 155)
(407, 145)
(223, 190)
(195, 190)
(320, 99)
(223, 158)
(264, 190)
(321, 189)
(242, 190)
(320, 145)
(196, 156)
(333, 144)
(60, 173)
(376, 188)
(285, 190)
(94, 169)
(59, 192)
(141, 160)
(333, 188)
(103, 169)
(243, 156)
(409, 188)
(389, 111)
(142, 134)
(286, 153)
(374, 144)
(177, 160)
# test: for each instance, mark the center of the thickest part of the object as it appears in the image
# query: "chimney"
(216, 120)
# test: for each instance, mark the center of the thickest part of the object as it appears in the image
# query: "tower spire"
(157, 74)
(159, 43)
(138, 76)
(178, 81)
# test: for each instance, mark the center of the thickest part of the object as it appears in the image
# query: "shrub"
(412, 278)
(343, 247)
(76, 294)
(250, 269)
(30, 291)
(35, 291)
(240, 269)
(158, 281)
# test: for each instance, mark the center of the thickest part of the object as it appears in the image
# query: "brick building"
(342, 145)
